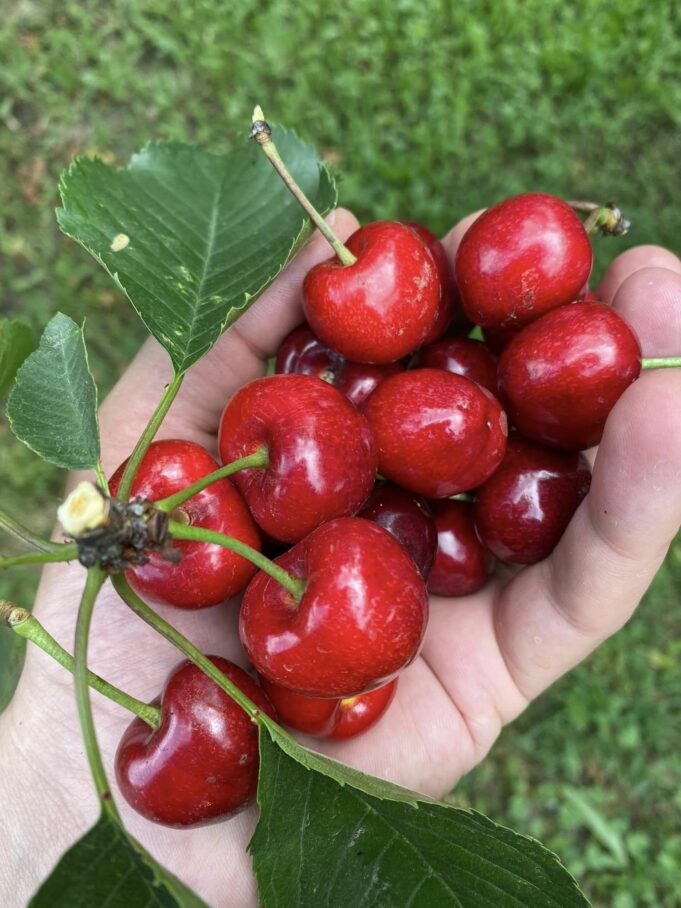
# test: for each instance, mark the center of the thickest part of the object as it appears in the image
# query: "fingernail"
(331, 218)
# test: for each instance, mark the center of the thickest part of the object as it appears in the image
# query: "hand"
(485, 657)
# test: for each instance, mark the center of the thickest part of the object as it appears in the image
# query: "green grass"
(431, 109)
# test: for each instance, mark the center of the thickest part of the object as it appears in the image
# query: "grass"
(431, 109)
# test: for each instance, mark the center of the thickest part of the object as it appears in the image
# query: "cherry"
(201, 764)
(562, 375)
(449, 300)
(463, 356)
(302, 353)
(207, 574)
(523, 509)
(438, 433)
(381, 307)
(408, 518)
(322, 458)
(337, 719)
(462, 564)
(521, 258)
(359, 621)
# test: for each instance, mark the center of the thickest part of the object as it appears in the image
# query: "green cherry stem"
(606, 219)
(147, 437)
(294, 585)
(262, 133)
(101, 477)
(172, 635)
(258, 459)
(25, 625)
(67, 552)
(661, 362)
(19, 531)
(93, 584)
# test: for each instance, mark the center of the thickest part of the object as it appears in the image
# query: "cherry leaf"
(193, 238)
(53, 406)
(108, 867)
(329, 835)
(16, 342)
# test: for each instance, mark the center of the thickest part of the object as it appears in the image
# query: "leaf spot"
(120, 241)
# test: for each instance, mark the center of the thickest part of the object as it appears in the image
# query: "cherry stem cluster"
(294, 585)
(262, 133)
(25, 625)
(258, 459)
(28, 537)
(65, 552)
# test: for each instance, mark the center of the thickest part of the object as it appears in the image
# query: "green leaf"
(53, 407)
(328, 835)
(16, 342)
(108, 867)
(193, 238)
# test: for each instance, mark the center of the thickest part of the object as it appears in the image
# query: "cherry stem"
(66, 552)
(147, 437)
(661, 362)
(607, 219)
(262, 133)
(101, 477)
(25, 625)
(19, 531)
(93, 584)
(294, 585)
(172, 635)
(258, 459)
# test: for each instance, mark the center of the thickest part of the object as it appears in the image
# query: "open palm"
(484, 658)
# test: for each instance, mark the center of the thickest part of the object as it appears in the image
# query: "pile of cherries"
(388, 472)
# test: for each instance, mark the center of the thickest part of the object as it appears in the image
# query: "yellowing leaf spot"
(120, 241)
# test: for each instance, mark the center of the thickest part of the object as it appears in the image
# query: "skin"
(484, 658)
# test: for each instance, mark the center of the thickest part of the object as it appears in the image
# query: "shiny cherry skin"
(522, 510)
(407, 517)
(382, 307)
(201, 764)
(462, 564)
(521, 258)
(302, 353)
(335, 719)
(449, 300)
(438, 434)
(206, 574)
(563, 374)
(322, 455)
(360, 620)
(462, 356)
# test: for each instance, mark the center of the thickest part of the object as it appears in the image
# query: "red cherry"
(207, 574)
(380, 308)
(462, 564)
(562, 375)
(462, 356)
(337, 719)
(521, 258)
(322, 456)
(302, 353)
(407, 517)
(201, 764)
(438, 433)
(360, 620)
(449, 300)
(523, 509)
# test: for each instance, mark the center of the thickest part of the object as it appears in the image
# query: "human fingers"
(648, 256)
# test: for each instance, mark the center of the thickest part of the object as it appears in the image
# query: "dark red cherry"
(563, 374)
(462, 564)
(336, 719)
(408, 518)
(360, 620)
(302, 353)
(521, 258)
(207, 574)
(322, 455)
(380, 308)
(201, 764)
(523, 509)
(438, 433)
(449, 300)
(462, 356)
